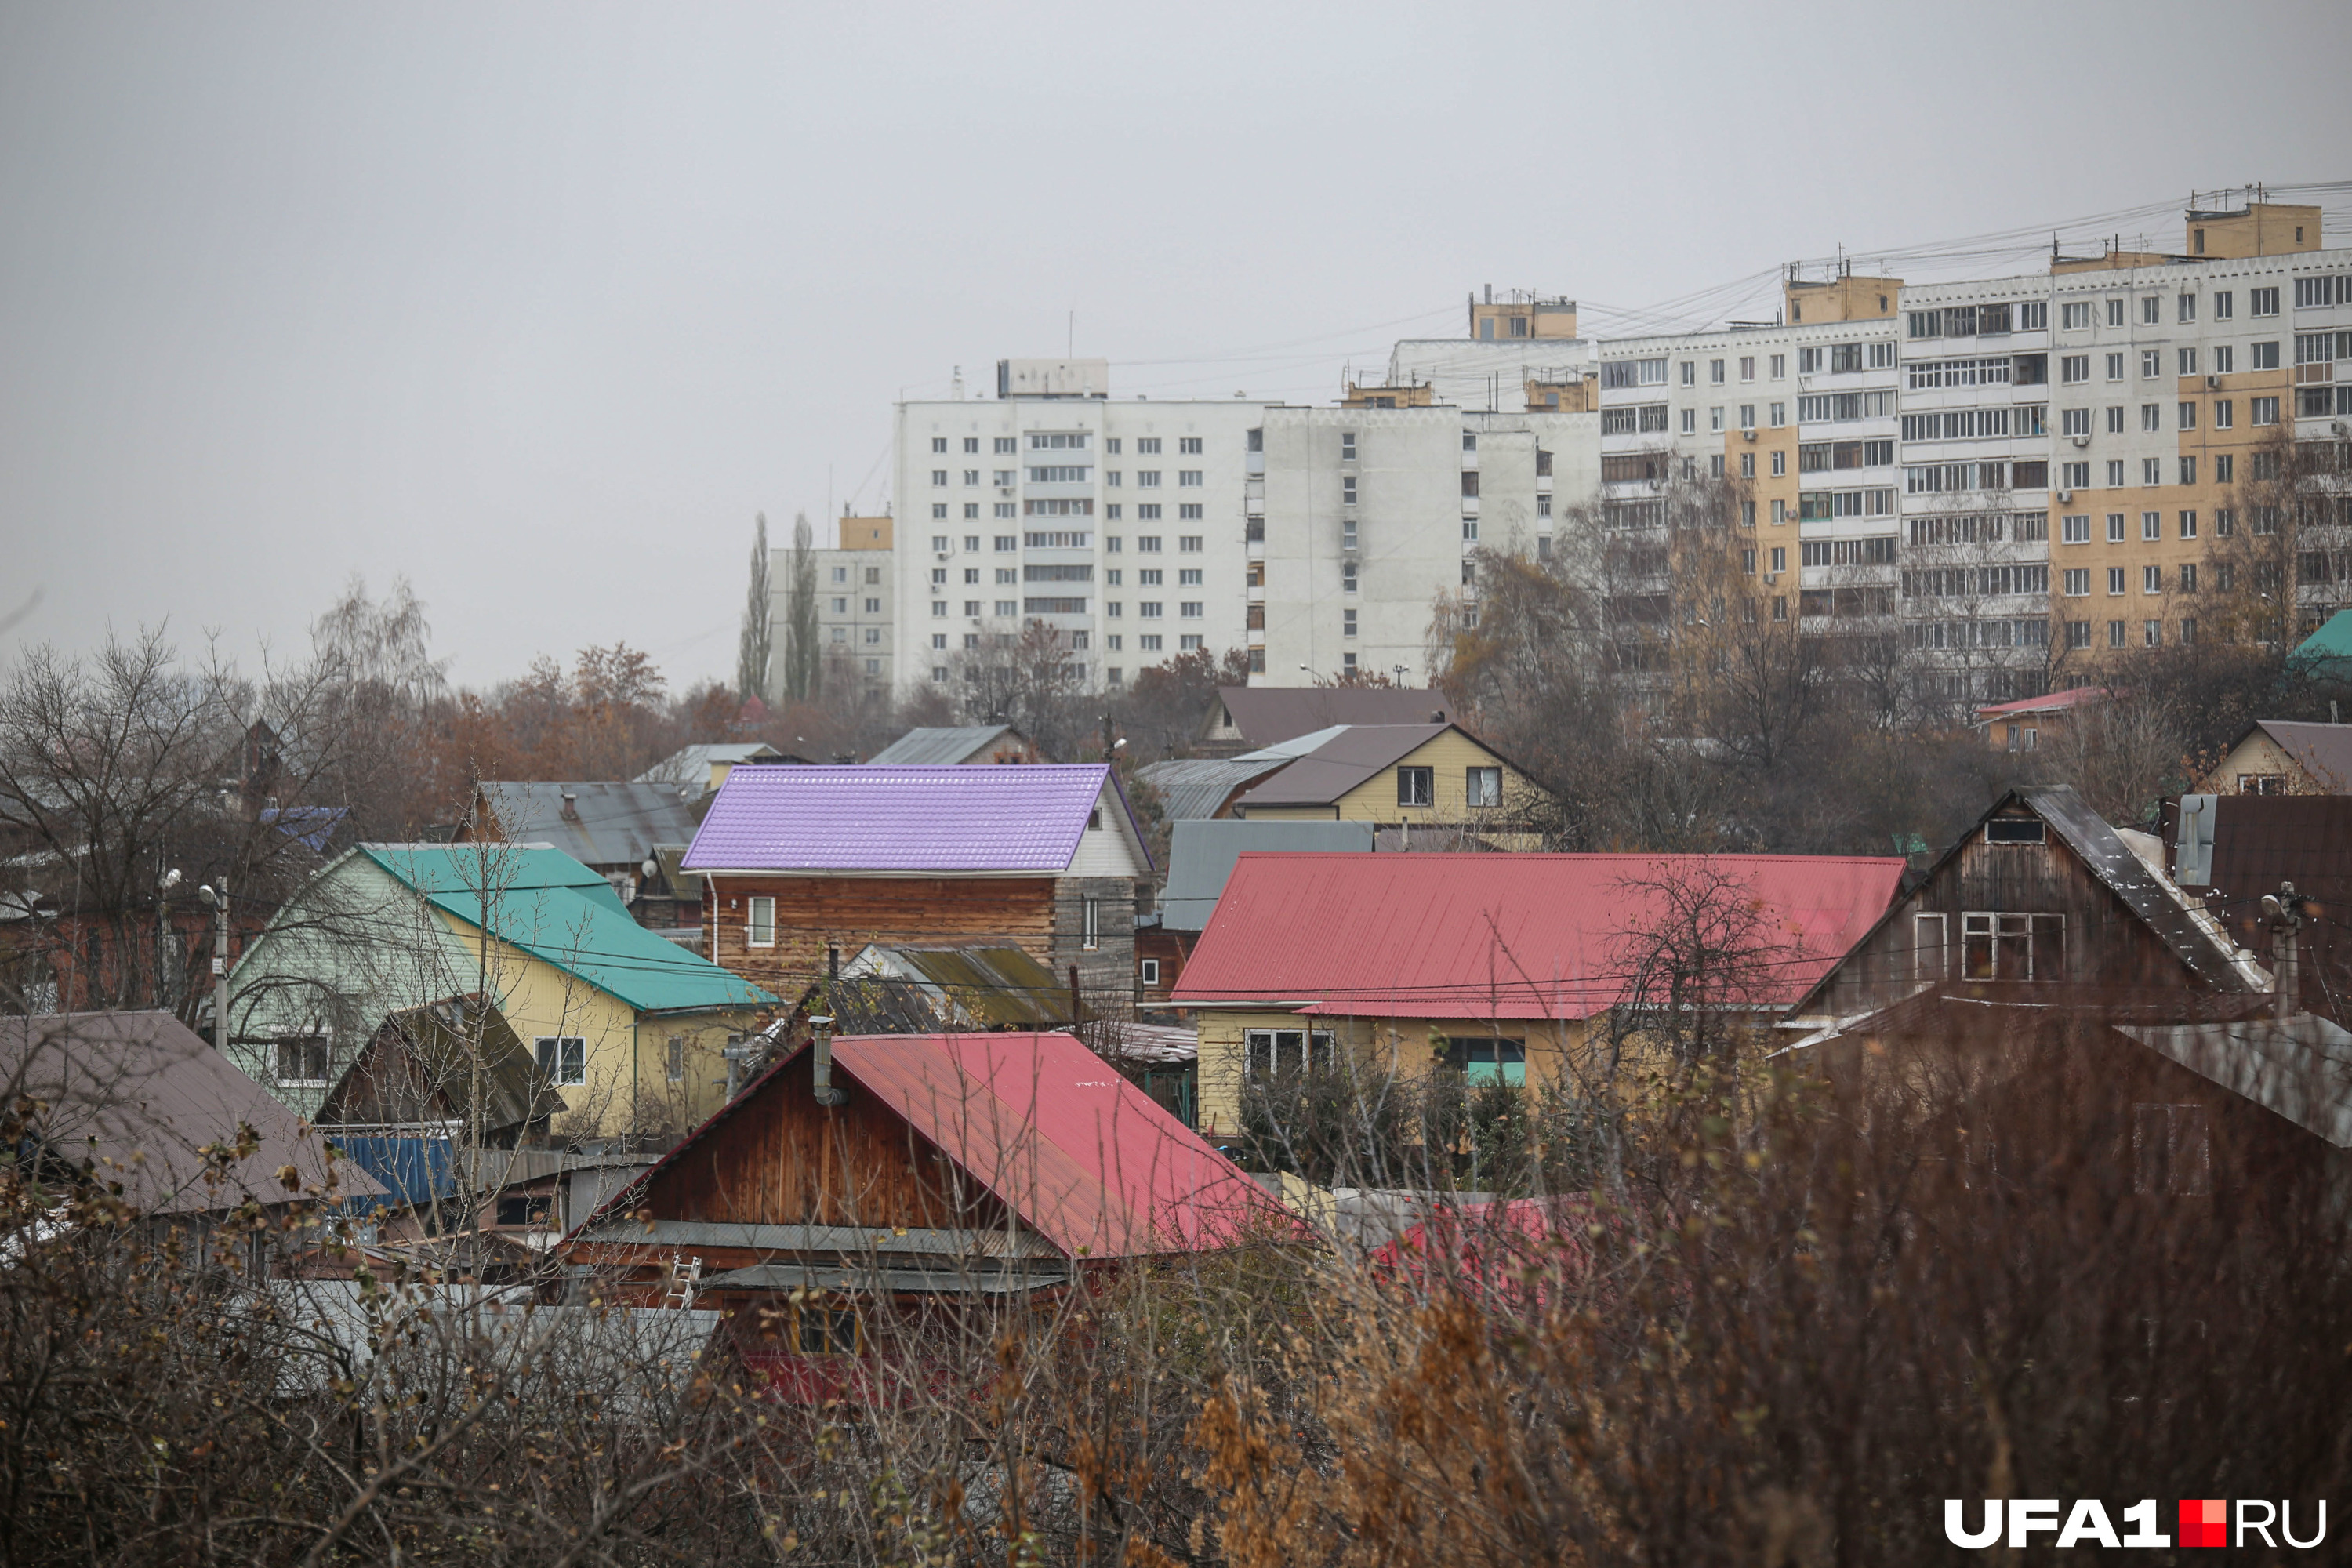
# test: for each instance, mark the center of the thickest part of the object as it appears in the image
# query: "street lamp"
(218, 900)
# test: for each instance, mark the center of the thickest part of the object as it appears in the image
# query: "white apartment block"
(856, 588)
(1119, 524)
(1370, 516)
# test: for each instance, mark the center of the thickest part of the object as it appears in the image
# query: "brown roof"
(133, 1097)
(2261, 840)
(2323, 750)
(1267, 714)
(1340, 763)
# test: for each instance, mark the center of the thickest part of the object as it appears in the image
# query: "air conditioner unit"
(1748, 434)
(2081, 440)
(2066, 496)
(2212, 381)
(1771, 578)
(2341, 428)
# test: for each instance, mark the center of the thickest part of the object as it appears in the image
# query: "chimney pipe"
(821, 1046)
(2283, 911)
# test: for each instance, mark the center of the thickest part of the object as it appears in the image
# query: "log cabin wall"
(2106, 944)
(851, 911)
(1107, 967)
(782, 1159)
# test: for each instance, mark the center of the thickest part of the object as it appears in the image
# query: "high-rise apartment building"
(1117, 525)
(1373, 517)
(857, 603)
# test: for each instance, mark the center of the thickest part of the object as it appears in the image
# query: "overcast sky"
(538, 305)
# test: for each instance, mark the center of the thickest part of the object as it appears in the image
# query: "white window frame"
(304, 1043)
(563, 1059)
(1930, 953)
(1314, 1047)
(759, 923)
(1482, 788)
(1146, 971)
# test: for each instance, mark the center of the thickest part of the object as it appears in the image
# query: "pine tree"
(752, 649)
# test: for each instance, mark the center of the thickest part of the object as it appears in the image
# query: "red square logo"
(2204, 1522)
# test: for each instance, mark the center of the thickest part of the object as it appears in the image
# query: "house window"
(1488, 1060)
(674, 1064)
(760, 926)
(1995, 946)
(1928, 934)
(2015, 830)
(2173, 1150)
(1090, 924)
(1274, 1052)
(302, 1060)
(1483, 787)
(2262, 783)
(562, 1058)
(526, 1210)
(1148, 970)
(1415, 786)
(826, 1331)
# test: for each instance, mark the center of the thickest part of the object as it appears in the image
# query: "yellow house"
(2277, 756)
(1395, 773)
(628, 1027)
(1494, 966)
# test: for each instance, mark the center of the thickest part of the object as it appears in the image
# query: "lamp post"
(164, 886)
(217, 898)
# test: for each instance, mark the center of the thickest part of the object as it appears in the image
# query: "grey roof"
(1201, 856)
(1265, 714)
(1193, 789)
(2300, 1067)
(610, 826)
(1355, 754)
(135, 1098)
(692, 764)
(936, 747)
(2323, 750)
(2197, 939)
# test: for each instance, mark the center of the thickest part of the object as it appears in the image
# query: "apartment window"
(1147, 445)
(1147, 543)
(2151, 581)
(2151, 364)
(2151, 311)
(2078, 581)
(1188, 543)
(2115, 581)
(562, 1058)
(1347, 622)
(1715, 419)
(2115, 634)
(1779, 412)
(1347, 446)
(2262, 410)
(302, 1059)
(1188, 445)
(2074, 421)
(2073, 317)
(1996, 946)
(2189, 470)
(1780, 366)
(2075, 529)
(1690, 424)
(2078, 634)
(2074, 368)
(1415, 786)
(1483, 787)
(2152, 634)
(1006, 445)
(1690, 373)
(939, 477)
(2188, 308)
(1347, 576)
(2224, 306)
(1780, 469)
(1113, 446)
(1747, 367)
(1189, 609)
(1809, 362)
(938, 443)
(1779, 558)
(1469, 528)
(2114, 473)
(2151, 525)
(939, 513)
(2151, 471)
(2114, 367)
(2189, 578)
(2263, 301)
(2186, 362)
(1747, 465)
(2188, 630)
(1151, 609)
(1188, 478)
(2266, 355)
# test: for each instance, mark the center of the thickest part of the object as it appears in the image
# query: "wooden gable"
(2053, 920)
(780, 1158)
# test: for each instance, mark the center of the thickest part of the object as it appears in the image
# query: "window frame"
(557, 1065)
(759, 917)
(1310, 1043)
(1425, 777)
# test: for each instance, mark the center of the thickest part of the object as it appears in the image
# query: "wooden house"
(799, 860)
(1496, 966)
(881, 1177)
(1395, 774)
(455, 1063)
(2040, 895)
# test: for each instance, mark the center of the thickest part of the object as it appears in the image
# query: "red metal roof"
(1503, 936)
(2055, 702)
(1087, 1158)
(1087, 1161)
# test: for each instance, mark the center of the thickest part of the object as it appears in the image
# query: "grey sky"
(539, 304)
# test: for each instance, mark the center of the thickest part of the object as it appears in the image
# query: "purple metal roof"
(1004, 818)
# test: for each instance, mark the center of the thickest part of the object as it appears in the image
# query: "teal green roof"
(557, 909)
(2329, 644)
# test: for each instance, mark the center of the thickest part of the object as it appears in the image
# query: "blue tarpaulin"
(413, 1169)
